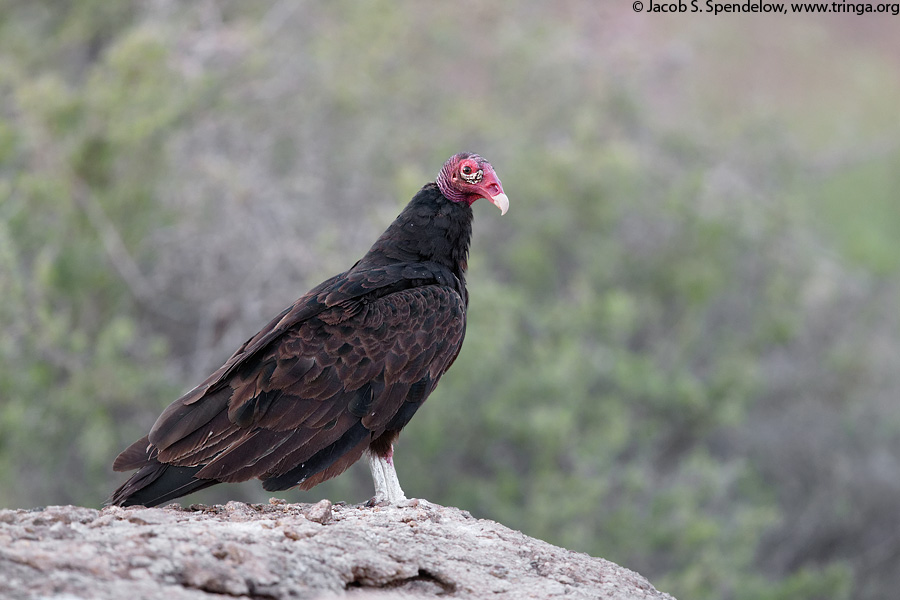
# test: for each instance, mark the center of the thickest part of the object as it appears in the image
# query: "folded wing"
(300, 406)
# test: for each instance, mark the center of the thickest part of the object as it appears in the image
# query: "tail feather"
(157, 482)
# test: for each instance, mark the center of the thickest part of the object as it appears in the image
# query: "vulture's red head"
(466, 177)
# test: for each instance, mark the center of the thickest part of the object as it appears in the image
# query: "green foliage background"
(683, 350)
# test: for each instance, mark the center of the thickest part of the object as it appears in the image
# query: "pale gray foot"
(387, 486)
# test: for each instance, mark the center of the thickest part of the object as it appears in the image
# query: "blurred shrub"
(81, 153)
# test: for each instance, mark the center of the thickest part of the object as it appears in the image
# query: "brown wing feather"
(304, 387)
(132, 457)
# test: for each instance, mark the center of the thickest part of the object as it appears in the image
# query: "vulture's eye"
(470, 173)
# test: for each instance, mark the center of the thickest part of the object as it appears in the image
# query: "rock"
(320, 512)
(280, 550)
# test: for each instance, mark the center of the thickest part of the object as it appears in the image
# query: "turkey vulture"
(338, 373)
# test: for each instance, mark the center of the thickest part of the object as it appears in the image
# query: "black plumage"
(339, 372)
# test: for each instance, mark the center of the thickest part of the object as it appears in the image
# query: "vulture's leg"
(387, 486)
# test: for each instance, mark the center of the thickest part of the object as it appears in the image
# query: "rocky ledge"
(279, 550)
